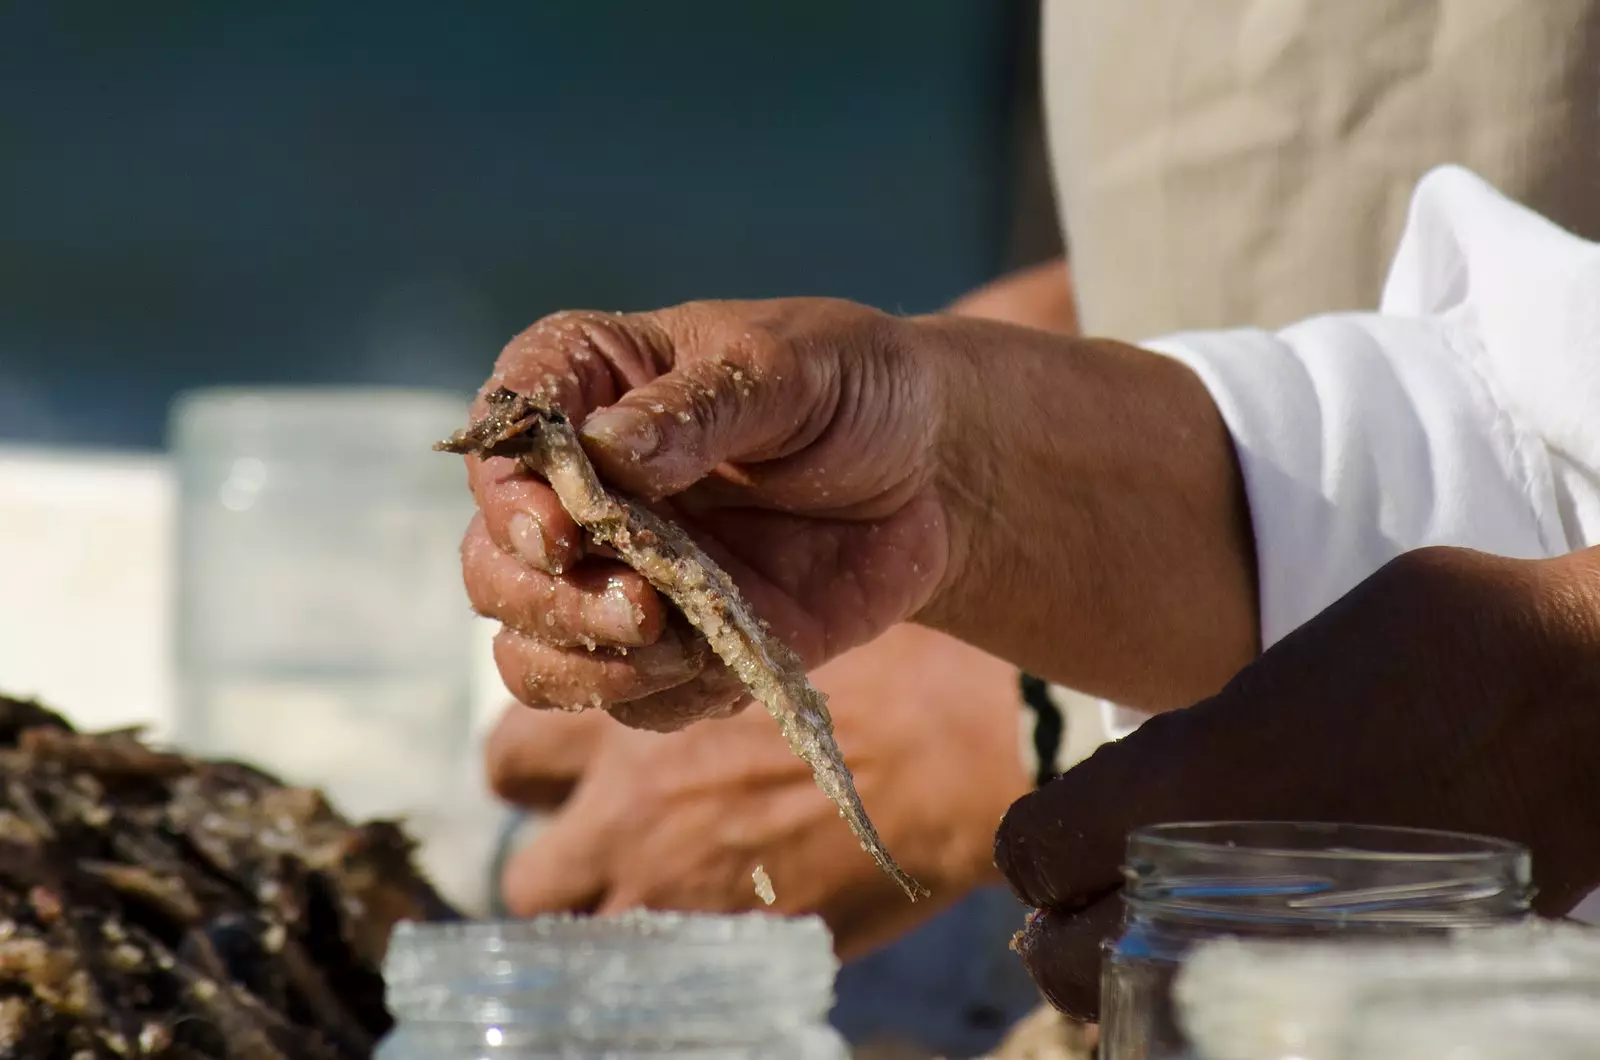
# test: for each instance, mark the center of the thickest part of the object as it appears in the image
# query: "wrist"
(964, 462)
(1099, 533)
(1001, 450)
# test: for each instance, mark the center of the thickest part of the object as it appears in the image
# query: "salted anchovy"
(543, 439)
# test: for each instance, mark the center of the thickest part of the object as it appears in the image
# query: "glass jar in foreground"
(1279, 1000)
(1525, 1024)
(640, 986)
(1189, 883)
(1574, 941)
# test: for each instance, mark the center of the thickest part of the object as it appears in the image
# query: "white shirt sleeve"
(1359, 438)
(1465, 412)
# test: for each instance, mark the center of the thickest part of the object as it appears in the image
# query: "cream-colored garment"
(1249, 162)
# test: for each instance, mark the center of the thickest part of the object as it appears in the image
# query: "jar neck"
(1276, 880)
(416, 1041)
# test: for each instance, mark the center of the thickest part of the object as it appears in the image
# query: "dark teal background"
(204, 192)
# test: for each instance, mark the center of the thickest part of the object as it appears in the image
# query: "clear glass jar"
(1531, 1023)
(1189, 883)
(639, 986)
(1577, 942)
(322, 627)
(1300, 1001)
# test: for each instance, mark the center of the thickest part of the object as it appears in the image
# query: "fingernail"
(628, 432)
(667, 661)
(527, 537)
(613, 617)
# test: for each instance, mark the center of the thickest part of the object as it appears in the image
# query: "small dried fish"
(543, 439)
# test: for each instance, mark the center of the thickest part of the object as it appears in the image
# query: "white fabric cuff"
(1360, 437)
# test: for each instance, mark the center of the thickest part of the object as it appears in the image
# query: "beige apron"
(1228, 162)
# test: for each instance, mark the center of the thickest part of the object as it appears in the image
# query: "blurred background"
(196, 193)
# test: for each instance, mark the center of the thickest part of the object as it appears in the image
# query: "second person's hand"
(681, 821)
(1450, 690)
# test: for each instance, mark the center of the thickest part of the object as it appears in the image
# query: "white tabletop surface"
(85, 587)
(85, 615)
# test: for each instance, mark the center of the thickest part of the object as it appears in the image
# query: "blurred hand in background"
(680, 821)
(1040, 296)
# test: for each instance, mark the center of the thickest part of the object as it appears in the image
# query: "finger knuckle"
(566, 354)
(1435, 565)
(1460, 585)
(523, 678)
(593, 338)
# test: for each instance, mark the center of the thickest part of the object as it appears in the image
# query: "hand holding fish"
(849, 470)
(795, 441)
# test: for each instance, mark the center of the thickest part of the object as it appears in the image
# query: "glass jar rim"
(1404, 843)
(673, 974)
(630, 928)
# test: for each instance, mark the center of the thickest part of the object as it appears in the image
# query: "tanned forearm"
(1040, 296)
(1103, 536)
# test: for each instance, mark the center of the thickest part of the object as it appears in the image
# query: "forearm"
(1040, 296)
(1103, 536)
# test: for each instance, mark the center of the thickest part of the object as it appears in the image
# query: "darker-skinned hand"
(1451, 690)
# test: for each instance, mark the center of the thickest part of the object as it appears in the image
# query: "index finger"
(577, 361)
(581, 360)
(523, 515)
(1062, 846)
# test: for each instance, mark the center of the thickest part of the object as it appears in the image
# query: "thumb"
(1062, 953)
(1062, 846)
(748, 404)
(534, 758)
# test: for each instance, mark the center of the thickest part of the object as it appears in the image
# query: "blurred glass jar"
(323, 631)
(1534, 1021)
(1576, 941)
(1308, 1001)
(630, 987)
(1190, 883)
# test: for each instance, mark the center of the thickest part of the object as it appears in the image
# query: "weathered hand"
(1451, 690)
(1063, 503)
(795, 439)
(679, 822)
